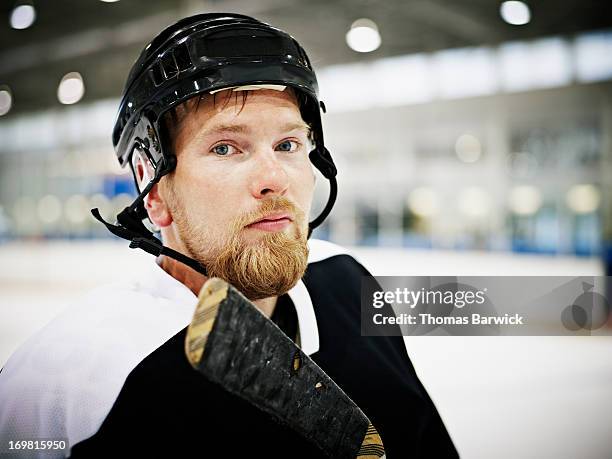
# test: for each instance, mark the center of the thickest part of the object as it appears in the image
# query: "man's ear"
(154, 202)
(157, 208)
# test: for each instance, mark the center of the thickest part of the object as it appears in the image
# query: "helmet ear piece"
(321, 158)
(143, 173)
(141, 212)
(169, 163)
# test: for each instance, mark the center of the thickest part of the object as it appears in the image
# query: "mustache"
(276, 204)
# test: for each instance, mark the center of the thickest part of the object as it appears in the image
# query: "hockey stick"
(235, 345)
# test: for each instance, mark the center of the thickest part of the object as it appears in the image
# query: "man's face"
(241, 193)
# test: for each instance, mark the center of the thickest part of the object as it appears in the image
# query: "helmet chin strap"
(130, 227)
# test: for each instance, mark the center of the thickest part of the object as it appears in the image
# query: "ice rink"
(502, 397)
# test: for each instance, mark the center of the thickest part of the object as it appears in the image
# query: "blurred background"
(471, 137)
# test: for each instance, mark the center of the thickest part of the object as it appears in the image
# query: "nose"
(269, 177)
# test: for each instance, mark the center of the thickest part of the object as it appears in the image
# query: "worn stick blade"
(233, 344)
(211, 295)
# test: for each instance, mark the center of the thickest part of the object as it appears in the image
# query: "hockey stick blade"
(232, 343)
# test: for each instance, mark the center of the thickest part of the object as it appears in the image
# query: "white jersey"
(110, 377)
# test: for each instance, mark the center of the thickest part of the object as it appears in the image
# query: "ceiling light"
(6, 100)
(515, 12)
(22, 17)
(468, 148)
(76, 209)
(423, 202)
(474, 202)
(583, 199)
(71, 88)
(363, 36)
(525, 200)
(49, 209)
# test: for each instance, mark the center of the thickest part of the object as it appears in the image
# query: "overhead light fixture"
(474, 202)
(468, 148)
(71, 88)
(423, 202)
(109, 1)
(363, 36)
(49, 209)
(22, 16)
(515, 12)
(525, 199)
(583, 198)
(76, 209)
(6, 100)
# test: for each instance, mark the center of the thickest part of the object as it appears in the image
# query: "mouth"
(272, 222)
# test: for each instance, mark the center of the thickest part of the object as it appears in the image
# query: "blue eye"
(222, 149)
(286, 145)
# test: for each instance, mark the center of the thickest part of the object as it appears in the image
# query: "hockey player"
(220, 123)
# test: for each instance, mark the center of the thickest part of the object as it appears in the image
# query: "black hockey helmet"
(197, 55)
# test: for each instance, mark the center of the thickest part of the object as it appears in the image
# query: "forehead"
(258, 107)
(237, 100)
(229, 103)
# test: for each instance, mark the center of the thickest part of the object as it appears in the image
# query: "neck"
(194, 281)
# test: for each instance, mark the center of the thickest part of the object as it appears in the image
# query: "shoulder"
(320, 250)
(333, 276)
(63, 381)
(325, 256)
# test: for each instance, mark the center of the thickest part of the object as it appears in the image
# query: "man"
(220, 123)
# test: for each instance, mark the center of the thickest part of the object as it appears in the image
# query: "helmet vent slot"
(168, 66)
(182, 58)
(157, 75)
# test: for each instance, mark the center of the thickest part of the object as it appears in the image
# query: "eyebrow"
(244, 129)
